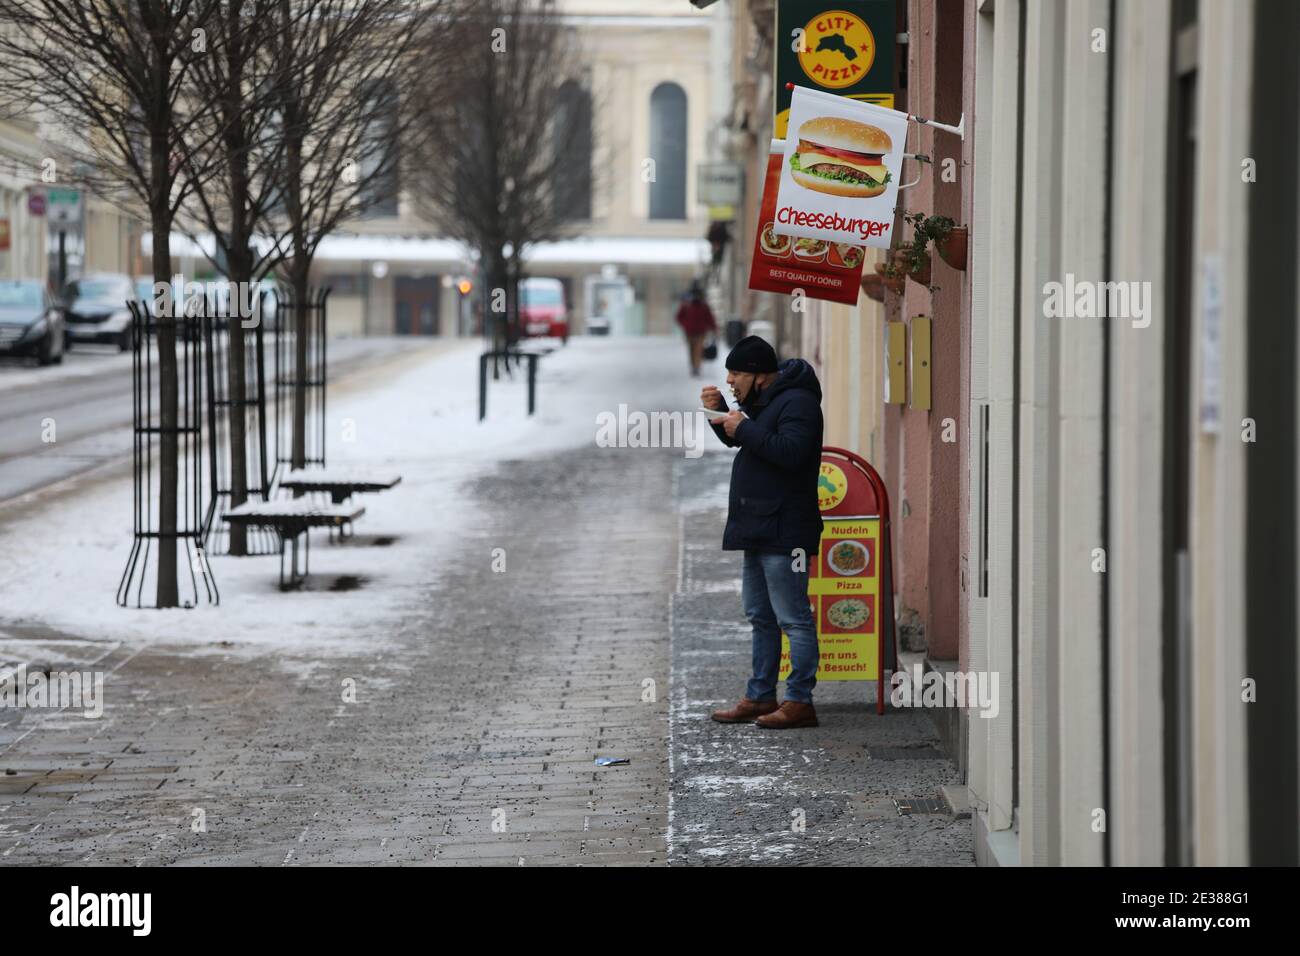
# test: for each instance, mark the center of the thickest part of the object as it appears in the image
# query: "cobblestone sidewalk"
(488, 709)
(474, 730)
(739, 793)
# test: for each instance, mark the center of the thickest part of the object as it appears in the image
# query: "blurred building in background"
(1099, 508)
(22, 234)
(97, 236)
(655, 83)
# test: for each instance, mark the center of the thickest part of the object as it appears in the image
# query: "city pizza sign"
(845, 47)
(838, 49)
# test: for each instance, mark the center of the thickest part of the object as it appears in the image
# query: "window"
(668, 150)
(573, 146)
(21, 295)
(379, 152)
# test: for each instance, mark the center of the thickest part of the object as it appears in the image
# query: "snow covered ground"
(89, 361)
(61, 558)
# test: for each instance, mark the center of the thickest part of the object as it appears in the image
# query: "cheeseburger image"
(842, 157)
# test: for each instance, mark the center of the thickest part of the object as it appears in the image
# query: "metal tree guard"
(218, 328)
(287, 375)
(147, 427)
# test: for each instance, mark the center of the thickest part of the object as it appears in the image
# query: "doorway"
(415, 304)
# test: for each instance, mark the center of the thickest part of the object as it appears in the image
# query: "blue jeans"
(776, 599)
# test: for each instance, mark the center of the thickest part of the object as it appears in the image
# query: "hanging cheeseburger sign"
(839, 180)
(822, 270)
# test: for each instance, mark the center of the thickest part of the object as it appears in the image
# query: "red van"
(542, 308)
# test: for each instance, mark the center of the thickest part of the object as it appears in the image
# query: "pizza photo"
(849, 614)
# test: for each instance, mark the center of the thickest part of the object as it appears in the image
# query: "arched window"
(668, 150)
(573, 143)
(379, 151)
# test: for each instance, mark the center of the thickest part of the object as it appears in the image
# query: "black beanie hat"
(752, 354)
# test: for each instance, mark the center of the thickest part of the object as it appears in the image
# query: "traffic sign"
(720, 184)
(64, 206)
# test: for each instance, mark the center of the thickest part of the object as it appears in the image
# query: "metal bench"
(340, 483)
(290, 520)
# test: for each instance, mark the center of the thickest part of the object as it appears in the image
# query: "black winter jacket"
(773, 504)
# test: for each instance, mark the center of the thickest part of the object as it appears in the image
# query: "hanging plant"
(921, 274)
(873, 286)
(891, 276)
(913, 258)
(953, 247)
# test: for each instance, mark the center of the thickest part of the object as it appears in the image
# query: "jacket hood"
(792, 373)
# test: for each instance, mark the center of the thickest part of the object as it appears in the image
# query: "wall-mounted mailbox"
(895, 376)
(919, 363)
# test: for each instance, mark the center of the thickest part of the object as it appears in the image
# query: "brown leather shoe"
(790, 715)
(745, 711)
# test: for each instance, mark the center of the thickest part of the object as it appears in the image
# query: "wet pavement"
(471, 739)
(466, 732)
(826, 795)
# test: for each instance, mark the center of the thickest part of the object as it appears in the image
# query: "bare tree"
(341, 66)
(504, 140)
(112, 75)
(235, 189)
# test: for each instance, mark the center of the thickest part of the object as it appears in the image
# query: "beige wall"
(346, 315)
(109, 238)
(844, 342)
(19, 159)
(1218, 480)
(1082, 721)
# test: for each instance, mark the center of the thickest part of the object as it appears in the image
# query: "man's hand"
(732, 422)
(711, 397)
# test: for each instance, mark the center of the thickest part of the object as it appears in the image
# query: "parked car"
(95, 309)
(29, 323)
(542, 308)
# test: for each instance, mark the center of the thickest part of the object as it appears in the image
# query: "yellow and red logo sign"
(838, 49)
(832, 486)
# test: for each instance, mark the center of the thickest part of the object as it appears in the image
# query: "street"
(87, 400)
(416, 703)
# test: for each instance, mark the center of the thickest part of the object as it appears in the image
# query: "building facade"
(22, 234)
(656, 78)
(104, 239)
(1098, 501)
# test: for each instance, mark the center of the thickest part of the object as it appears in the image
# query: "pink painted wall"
(927, 476)
(968, 19)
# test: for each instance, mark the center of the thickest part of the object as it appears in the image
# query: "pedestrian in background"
(696, 319)
(772, 516)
